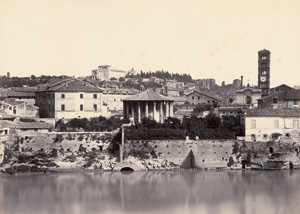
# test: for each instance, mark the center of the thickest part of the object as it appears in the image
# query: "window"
(253, 124)
(295, 123)
(95, 96)
(295, 102)
(81, 107)
(198, 97)
(62, 96)
(192, 97)
(62, 107)
(275, 100)
(81, 96)
(115, 99)
(265, 136)
(95, 107)
(253, 137)
(276, 124)
(10, 108)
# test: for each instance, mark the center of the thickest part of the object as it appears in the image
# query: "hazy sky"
(207, 39)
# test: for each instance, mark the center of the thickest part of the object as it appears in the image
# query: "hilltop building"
(105, 72)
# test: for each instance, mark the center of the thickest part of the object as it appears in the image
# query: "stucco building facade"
(260, 124)
(69, 98)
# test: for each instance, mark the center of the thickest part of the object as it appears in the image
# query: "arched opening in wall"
(248, 100)
(291, 165)
(189, 162)
(271, 150)
(101, 148)
(127, 169)
(296, 152)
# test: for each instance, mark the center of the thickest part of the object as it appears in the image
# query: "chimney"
(242, 82)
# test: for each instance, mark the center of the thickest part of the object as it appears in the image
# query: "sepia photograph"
(155, 107)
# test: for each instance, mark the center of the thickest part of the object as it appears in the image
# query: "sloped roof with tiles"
(272, 113)
(68, 85)
(293, 95)
(207, 94)
(33, 125)
(148, 96)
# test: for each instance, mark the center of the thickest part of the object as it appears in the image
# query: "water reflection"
(153, 192)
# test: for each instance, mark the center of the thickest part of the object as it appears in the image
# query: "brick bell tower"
(264, 72)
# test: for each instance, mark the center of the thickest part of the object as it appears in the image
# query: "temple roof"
(148, 96)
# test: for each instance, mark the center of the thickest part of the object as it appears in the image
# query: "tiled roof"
(33, 125)
(272, 113)
(13, 102)
(6, 124)
(69, 85)
(10, 93)
(152, 85)
(119, 91)
(148, 96)
(293, 95)
(24, 89)
(208, 94)
(178, 99)
(264, 51)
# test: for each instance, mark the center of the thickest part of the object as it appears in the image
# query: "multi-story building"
(197, 97)
(208, 84)
(282, 99)
(69, 98)
(19, 108)
(262, 124)
(113, 98)
(247, 96)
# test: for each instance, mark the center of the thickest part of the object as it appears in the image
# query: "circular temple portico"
(148, 104)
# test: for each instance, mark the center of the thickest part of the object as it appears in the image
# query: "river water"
(211, 192)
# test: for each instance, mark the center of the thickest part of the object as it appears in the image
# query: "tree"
(32, 77)
(212, 121)
(121, 79)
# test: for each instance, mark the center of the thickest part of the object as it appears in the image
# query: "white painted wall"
(265, 125)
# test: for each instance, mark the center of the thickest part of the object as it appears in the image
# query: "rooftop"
(272, 113)
(264, 51)
(208, 94)
(69, 85)
(148, 96)
(293, 95)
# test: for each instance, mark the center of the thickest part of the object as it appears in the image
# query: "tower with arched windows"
(264, 72)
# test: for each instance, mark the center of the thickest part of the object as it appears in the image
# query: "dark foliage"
(96, 124)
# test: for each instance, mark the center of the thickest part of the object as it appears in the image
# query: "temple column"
(171, 109)
(139, 112)
(161, 113)
(132, 109)
(167, 110)
(124, 110)
(154, 110)
(146, 110)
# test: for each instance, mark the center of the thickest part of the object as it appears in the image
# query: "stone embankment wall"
(66, 141)
(191, 153)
